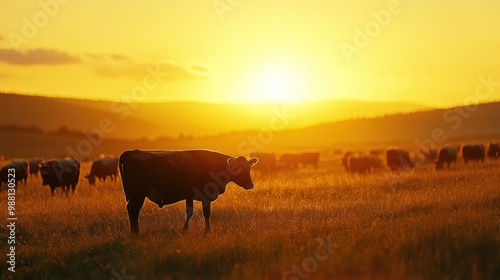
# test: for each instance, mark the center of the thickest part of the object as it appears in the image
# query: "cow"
(167, 177)
(33, 163)
(447, 155)
(289, 161)
(494, 151)
(102, 168)
(474, 152)
(13, 172)
(309, 159)
(345, 160)
(398, 159)
(63, 173)
(362, 163)
(267, 162)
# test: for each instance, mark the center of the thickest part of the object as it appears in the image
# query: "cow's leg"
(189, 213)
(134, 207)
(206, 215)
(73, 187)
(52, 191)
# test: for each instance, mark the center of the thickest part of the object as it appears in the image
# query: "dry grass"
(417, 225)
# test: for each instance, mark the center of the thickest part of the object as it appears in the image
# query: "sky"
(436, 53)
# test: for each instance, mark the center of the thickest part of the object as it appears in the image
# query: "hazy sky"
(426, 51)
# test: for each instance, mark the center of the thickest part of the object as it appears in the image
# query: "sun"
(278, 83)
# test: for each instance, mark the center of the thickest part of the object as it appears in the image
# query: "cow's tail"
(125, 182)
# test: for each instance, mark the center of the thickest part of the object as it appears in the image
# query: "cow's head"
(45, 169)
(91, 179)
(239, 170)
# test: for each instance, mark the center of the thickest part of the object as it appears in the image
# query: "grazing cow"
(14, 172)
(267, 162)
(102, 168)
(309, 159)
(398, 159)
(166, 177)
(473, 152)
(494, 151)
(60, 173)
(363, 164)
(345, 160)
(34, 166)
(289, 161)
(447, 155)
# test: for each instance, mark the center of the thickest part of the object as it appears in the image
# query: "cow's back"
(172, 175)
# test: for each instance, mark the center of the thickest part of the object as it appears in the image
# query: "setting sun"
(280, 83)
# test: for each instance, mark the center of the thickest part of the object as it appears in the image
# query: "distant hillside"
(171, 119)
(455, 125)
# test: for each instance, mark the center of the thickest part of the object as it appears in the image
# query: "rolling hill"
(154, 120)
(421, 129)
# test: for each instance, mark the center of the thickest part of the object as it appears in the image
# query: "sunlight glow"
(280, 83)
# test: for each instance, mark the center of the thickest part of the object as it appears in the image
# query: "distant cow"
(446, 155)
(494, 151)
(345, 160)
(289, 160)
(60, 173)
(309, 159)
(362, 163)
(102, 168)
(33, 163)
(473, 152)
(398, 159)
(166, 177)
(14, 172)
(267, 162)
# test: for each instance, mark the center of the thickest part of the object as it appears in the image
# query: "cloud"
(37, 56)
(175, 70)
(112, 56)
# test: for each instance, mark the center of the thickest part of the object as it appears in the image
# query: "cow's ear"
(231, 161)
(253, 161)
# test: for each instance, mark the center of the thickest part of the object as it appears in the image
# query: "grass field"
(413, 225)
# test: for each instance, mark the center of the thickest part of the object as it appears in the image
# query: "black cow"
(267, 162)
(309, 159)
(17, 170)
(166, 177)
(289, 161)
(494, 151)
(34, 166)
(362, 163)
(447, 155)
(60, 173)
(398, 159)
(473, 152)
(102, 168)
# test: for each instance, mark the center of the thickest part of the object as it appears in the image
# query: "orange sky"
(428, 52)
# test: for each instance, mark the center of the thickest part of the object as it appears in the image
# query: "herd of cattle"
(397, 159)
(166, 177)
(65, 173)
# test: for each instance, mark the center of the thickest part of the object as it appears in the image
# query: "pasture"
(419, 224)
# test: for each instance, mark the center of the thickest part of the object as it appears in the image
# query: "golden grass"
(416, 225)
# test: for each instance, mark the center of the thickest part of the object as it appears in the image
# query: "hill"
(154, 120)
